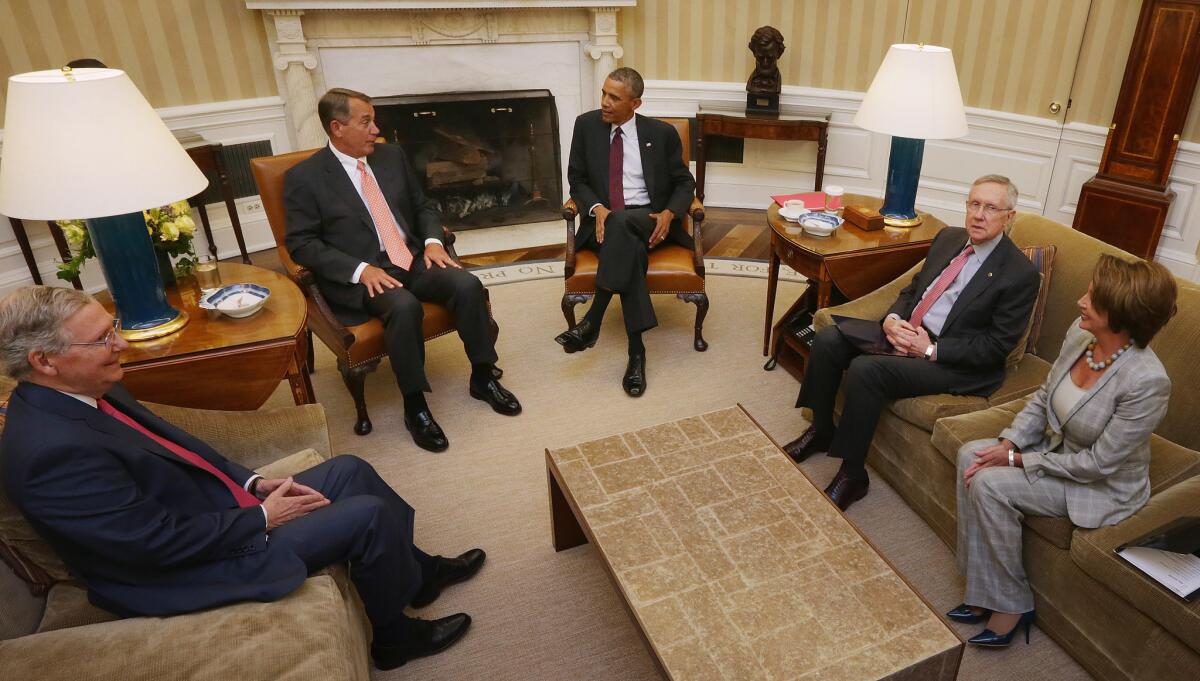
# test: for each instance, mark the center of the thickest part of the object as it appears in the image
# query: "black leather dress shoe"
(634, 382)
(844, 490)
(449, 571)
(579, 337)
(967, 615)
(426, 432)
(425, 637)
(502, 401)
(806, 445)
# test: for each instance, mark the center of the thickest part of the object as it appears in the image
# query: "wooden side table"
(782, 127)
(851, 261)
(218, 362)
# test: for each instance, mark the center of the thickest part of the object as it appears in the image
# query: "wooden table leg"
(298, 374)
(212, 245)
(18, 229)
(564, 528)
(772, 284)
(700, 159)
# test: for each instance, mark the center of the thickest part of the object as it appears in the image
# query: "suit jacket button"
(1041, 474)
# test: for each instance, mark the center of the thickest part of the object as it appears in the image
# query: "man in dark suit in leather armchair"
(154, 522)
(357, 217)
(631, 186)
(952, 328)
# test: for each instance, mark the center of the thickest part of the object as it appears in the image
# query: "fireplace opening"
(487, 158)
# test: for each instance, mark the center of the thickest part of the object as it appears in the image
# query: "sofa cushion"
(1021, 380)
(306, 635)
(291, 465)
(67, 606)
(1042, 258)
(924, 410)
(1092, 551)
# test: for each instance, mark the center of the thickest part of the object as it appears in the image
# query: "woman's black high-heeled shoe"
(966, 614)
(991, 639)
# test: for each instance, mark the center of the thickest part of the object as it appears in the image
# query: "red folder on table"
(812, 200)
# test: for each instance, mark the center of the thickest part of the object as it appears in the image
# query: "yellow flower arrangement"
(171, 230)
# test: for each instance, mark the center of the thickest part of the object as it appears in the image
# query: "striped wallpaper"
(177, 52)
(1012, 55)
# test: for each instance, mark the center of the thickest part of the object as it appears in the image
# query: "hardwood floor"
(728, 233)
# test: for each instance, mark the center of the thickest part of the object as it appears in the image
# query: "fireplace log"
(441, 173)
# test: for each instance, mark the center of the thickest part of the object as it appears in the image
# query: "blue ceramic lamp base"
(904, 170)
(126, 256)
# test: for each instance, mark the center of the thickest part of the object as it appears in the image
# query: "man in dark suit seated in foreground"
(154, 522)
(357, 217)
(631, 187)
(952, 328)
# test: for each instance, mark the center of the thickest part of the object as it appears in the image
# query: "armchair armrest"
(254, 438)
(874, 305)
(696, 212)
(569, 212)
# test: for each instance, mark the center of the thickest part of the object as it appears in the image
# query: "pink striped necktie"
(243, 498)
(385, 222)
(948, 276)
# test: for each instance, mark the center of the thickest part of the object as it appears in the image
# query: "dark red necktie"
(616, 169)
(244, 498)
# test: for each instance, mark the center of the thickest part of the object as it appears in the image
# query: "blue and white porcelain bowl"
(237, 300)
(820, 224)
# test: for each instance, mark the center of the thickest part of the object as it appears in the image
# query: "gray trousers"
(989, 529)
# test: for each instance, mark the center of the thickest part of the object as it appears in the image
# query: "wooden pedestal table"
(851, 262)
(734, 565)
(218, 362)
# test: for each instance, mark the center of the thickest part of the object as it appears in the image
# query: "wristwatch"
(929, 351)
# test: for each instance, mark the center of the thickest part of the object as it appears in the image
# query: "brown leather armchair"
(358, 348)
(672, 269)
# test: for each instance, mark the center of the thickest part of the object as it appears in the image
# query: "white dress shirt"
(633, 179)
(350, 165)
(91, 402)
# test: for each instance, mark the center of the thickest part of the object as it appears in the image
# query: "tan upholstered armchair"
(358, 348)
(672, 269)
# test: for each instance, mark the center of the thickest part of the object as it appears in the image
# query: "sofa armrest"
(254, 438)
(874, 305)
(952, 432)
(303, 635)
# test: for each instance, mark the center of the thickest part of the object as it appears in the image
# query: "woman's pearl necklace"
(1099, 366)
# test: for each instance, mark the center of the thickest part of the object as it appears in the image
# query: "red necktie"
(616, 170)
(385, 222)
(244, 498)
(943, 283)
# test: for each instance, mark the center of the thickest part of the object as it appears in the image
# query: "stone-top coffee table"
(734, 565)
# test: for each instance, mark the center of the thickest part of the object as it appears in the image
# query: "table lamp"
(914, 97)
(85, 143)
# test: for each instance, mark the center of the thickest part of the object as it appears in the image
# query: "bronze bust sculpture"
(765, 83)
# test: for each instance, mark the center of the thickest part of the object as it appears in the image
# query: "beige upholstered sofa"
(1110, 618)
(319, 631)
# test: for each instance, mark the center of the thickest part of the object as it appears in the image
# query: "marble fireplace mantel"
(394, 47)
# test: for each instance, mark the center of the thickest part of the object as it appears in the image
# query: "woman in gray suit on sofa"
(1080, 448)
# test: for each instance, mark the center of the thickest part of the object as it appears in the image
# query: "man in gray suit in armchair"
(357, 217)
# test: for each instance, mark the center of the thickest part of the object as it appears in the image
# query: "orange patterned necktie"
(948, 276)
(385, 222)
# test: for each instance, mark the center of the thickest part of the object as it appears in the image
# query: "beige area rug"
(555, 616)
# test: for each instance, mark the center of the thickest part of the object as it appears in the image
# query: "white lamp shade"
(87, 145)
(915, 94)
